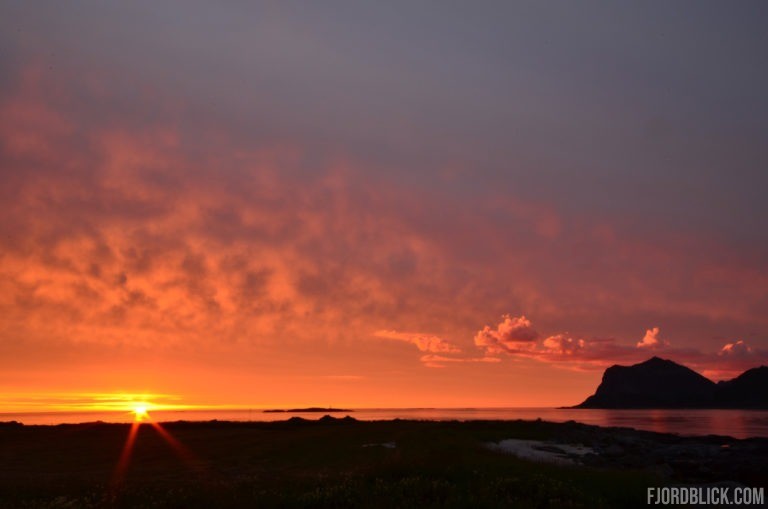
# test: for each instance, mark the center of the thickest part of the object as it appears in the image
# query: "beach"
(342, 462)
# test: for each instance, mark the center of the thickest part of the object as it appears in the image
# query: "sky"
(391, 204)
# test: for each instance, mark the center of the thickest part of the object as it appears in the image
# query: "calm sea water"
(735, 423)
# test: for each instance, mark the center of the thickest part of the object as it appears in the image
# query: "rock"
(661, 383)
(613, 450)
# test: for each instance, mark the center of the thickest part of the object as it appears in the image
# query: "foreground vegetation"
(298, 463)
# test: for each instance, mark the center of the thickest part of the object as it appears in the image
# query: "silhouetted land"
(312, 409)
(661, 383)
(348, 463)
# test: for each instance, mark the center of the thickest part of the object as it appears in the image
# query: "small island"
(313, 409)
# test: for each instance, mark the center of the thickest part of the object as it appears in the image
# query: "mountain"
(748, 390)
(661, 383)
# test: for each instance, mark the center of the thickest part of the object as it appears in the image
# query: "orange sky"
(156, 241)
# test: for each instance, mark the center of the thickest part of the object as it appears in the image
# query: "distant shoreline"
(689, 422)
(306, 410)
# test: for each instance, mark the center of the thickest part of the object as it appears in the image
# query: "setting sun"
(140, 412)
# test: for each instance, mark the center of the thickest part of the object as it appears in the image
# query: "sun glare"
(140, 412)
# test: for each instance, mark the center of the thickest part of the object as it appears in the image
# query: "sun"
(140, 412)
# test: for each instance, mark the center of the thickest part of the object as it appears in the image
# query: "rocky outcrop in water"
(661, 383)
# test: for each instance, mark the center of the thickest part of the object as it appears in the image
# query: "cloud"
(732, 359)
(651, 340)
(440, 361)
(510, 335)
(584, 353)
(515, 336)
(563, 344)
(441, 351)
(424, 342)
(74, 401)
(737, 350)
(151, 226)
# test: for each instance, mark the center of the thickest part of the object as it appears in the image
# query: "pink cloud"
(731, 360)
(579, 353)
(737, 350)
(516, 337)
(563, 344)
(511, 334)
(441, 351)
(440, 361)
(651, 340)
(424, 342)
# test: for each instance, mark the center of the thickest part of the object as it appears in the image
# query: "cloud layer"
(291, 199)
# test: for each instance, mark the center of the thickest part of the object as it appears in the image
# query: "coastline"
(686, 422)
(308, 410)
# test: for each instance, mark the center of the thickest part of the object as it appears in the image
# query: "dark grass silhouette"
(323, 463)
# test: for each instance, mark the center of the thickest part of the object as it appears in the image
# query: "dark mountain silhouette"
(748, 390)
(661, 383)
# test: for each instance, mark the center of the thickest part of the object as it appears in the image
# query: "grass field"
(299, 464)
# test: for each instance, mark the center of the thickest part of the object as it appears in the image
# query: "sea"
(734, 423)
